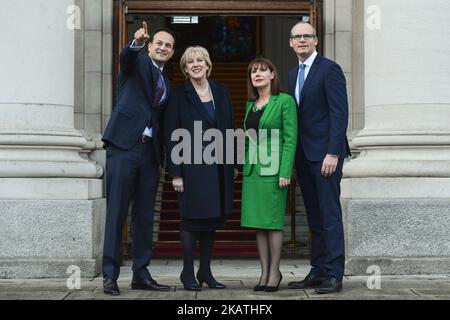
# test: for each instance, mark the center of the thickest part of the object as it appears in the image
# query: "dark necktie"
(159, 89)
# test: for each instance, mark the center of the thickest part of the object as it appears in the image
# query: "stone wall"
(51, 203)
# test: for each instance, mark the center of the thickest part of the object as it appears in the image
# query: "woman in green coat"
(271, 139)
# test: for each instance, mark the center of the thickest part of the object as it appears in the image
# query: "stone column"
(396, 194)
(51, 202)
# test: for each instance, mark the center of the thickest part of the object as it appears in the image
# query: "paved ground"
(240, 276)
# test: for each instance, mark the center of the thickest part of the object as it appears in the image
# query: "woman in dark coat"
(199, 109)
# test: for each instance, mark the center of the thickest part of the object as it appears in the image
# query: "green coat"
(263, 201)
(280, 114)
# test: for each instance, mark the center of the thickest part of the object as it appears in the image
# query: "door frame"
(262, 7)
(257, 7)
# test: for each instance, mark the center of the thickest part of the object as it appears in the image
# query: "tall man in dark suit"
(134, 155)
(319, 87)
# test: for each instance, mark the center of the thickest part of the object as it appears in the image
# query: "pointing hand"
(141, 36)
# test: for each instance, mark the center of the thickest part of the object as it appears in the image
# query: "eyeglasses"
(299, 37)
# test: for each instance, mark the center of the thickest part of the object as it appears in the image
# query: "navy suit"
(322, 125)
(132, 167)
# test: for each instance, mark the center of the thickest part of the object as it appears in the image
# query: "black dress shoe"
(190, 285)
(272, 288)
(110, 287)
(331, 285)
(210, 281)
(311, 281)
(148, 284)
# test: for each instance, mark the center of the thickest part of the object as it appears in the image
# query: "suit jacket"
(133, 108)
(280, 114)
(323, 110)
(208, 188)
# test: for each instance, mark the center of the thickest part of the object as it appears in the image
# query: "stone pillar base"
(46, 268)
(357, 266)
(400, 224)
(42, 238)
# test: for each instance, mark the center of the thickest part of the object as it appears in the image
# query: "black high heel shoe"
(273, 289)
(259, 288)
(194, 286)
(211, 282)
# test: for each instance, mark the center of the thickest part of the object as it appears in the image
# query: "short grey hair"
(189, 52)
(307, 23)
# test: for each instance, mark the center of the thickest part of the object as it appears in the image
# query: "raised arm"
(130, 53)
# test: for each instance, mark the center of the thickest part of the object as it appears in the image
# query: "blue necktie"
(301, 81)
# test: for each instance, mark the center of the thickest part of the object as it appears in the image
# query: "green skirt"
(263, 202)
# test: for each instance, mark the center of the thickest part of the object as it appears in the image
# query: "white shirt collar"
(156, 65)
(309, 62)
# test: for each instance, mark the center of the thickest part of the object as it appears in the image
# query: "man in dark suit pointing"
(134, 155)
(319, 87)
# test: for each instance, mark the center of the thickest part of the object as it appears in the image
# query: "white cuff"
(135, 47)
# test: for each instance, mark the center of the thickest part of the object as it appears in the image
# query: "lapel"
(267, 112)
(293, 81)
(154, 72)
(311, 75)
(219, 101)
(247, 112)
(269, 109)
(146, 73)
(150, 75)
(167, 84)
(196, 102)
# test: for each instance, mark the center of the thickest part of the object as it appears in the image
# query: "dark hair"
(252, 93)
(152, 35)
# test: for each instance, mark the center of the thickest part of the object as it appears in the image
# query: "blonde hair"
(189, 52)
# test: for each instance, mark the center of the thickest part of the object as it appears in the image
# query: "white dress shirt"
(308, 63)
